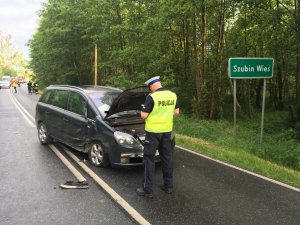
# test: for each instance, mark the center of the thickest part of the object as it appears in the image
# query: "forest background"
(187, 43)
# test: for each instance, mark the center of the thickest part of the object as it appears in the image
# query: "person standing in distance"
(158, 111)
(29, 87)
(14, 84)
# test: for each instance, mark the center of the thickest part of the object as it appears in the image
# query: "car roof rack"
(86, 88)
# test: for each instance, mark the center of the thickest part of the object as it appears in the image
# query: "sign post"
(234, 109)
(263, 112)
(250, 68)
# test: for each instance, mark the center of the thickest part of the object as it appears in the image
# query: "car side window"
(76, 103)
(58, 98)
(45, 97)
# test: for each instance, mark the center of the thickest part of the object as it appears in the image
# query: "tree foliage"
(10, 59)
(186, 42)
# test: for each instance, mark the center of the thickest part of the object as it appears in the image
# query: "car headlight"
(126, 139)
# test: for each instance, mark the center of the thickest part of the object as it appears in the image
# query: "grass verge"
(218, 144)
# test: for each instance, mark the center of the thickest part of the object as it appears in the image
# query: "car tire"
(97, 155)
(43, 135)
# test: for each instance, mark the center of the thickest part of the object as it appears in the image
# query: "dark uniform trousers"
(162, 142)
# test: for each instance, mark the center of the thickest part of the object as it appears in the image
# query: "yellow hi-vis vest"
(160, 120)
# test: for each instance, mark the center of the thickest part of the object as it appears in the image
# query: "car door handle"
(90, 124)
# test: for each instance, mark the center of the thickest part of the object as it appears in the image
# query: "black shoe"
(166, 189)
(141, 192)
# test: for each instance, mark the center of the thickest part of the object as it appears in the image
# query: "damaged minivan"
(103, 122)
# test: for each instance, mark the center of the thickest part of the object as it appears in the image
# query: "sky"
(19, 18)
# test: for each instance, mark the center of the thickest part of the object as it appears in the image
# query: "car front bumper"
(129, 158)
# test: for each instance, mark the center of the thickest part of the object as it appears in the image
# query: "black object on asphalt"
(75, 185)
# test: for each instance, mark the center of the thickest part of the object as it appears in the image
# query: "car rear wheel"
(43, 134)
(97, 155)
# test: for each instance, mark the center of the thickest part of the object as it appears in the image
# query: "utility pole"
(96, 65)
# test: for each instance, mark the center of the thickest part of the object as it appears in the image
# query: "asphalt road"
(205, 192)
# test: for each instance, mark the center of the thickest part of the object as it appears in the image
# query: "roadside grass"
(278, 157)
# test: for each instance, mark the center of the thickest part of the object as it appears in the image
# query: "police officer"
(158, 110)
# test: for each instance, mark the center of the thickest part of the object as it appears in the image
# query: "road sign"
(250, 68)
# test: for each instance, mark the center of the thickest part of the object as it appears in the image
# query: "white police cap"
(152, 80)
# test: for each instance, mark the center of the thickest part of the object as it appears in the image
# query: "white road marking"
(22, 110)
(19, 106)
(73, 170)
(128, 208)
(243, 170)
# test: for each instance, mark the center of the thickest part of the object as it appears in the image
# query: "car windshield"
(6, 78)
(103, 101)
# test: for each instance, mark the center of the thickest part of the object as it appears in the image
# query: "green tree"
(11, 61)
(187, 43)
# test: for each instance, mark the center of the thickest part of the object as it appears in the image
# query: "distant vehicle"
(103, 122)
(6, 77)
(5, 84)
(21, 79)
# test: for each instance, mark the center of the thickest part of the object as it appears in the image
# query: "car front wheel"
(97, 155)
(43, 134)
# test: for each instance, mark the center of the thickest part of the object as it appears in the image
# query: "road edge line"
(242, 170)
(73, 170)
(114, 195)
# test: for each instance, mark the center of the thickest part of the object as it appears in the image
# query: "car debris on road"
(75, 185)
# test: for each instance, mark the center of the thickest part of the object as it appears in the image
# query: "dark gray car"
(101, 121)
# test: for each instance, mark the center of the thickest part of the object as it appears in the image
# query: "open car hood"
(131, 99)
